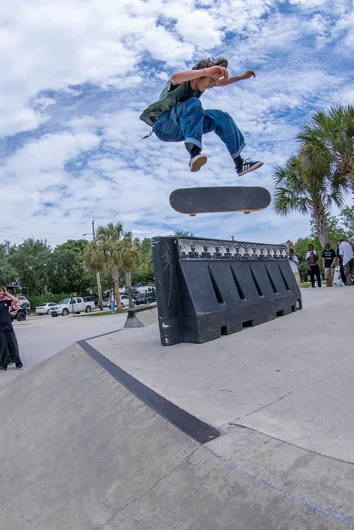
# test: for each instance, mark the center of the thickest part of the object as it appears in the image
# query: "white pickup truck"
(71, 305)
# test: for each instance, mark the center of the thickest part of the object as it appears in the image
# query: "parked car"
(123, 298)
(45, 308)
(20, 312)
(91, 298)
(145, 300)
(71, 305)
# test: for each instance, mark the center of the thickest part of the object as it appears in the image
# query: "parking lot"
(40, 337)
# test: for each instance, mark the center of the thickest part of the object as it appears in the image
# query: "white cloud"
(82, 71)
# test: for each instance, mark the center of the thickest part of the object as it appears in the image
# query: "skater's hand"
(248, 74)
(217, 72)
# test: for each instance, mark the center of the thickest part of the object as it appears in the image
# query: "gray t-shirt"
(169, 97)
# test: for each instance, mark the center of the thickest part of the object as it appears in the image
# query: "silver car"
(44, 309)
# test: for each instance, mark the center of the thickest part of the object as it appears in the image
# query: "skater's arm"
(216, 72)
(236, 78)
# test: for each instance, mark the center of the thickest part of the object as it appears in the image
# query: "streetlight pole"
(98, 277)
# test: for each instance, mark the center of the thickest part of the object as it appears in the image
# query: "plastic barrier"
(208, 288)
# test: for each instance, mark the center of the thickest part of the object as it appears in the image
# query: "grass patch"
(103, 313)
(306, 285)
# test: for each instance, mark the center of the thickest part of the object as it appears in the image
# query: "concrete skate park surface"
(83, 452)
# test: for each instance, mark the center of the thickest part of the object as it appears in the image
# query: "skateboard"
(244, 199)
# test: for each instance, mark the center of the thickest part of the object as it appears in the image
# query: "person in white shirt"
(314, 270)
(294, 262)
(346, 252)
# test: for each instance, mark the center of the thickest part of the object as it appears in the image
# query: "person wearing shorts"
(328, 264)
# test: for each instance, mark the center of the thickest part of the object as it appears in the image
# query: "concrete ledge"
(141, 317)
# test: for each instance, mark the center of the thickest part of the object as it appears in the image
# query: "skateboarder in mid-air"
(179, 116)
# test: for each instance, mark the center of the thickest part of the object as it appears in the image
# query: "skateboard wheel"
(192, 214)
(247, 211)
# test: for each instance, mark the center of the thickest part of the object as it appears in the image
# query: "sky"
(76, 74)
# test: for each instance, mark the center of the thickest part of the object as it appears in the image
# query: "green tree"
(145, 272)
(94, 259)
(31, 259)
(67, 272)
(182, 233)
(109, 243)
(335, 231)
(329, 139)
(347, 220)
(8, 272)
(301, 186)
(130, 260)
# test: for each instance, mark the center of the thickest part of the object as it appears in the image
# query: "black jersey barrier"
(208, 288)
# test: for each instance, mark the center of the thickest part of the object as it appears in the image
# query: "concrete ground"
(84, 453)
(41, 337)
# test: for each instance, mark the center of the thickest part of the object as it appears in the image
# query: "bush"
(36, 300)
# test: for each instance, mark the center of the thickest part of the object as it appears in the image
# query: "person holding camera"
(8, 342)
(294, 264)
(313, 268)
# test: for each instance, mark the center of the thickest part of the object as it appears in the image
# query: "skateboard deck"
(245, 199)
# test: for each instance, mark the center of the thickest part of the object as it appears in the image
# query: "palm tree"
(109, 240)
(130, 259)
(330, 137)
(94, 259)
(305, 187)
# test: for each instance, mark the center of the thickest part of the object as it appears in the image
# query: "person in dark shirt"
(8, 342)
(313, 268)
(178, 115)
(328, 264)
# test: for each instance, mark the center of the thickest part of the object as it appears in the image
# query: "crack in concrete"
(104, 504)
(149, 490)
(263, 482)
(294, 390)
(285, 442)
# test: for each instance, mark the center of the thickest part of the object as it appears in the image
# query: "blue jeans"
(188, 121)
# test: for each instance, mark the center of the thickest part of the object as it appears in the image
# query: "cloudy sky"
(76, 74)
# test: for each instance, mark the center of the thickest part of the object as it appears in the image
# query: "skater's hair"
(210, 61)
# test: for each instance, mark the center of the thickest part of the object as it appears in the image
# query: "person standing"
(113, 304)
(8, 341)
(294, 264)
(328, 264)
(346, 252)
(314, 270)
(340, 262)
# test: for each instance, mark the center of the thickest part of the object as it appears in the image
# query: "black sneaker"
(19, 366)
(247, 166)
(3, 369)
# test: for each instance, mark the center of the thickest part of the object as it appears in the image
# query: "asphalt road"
(40, 337)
